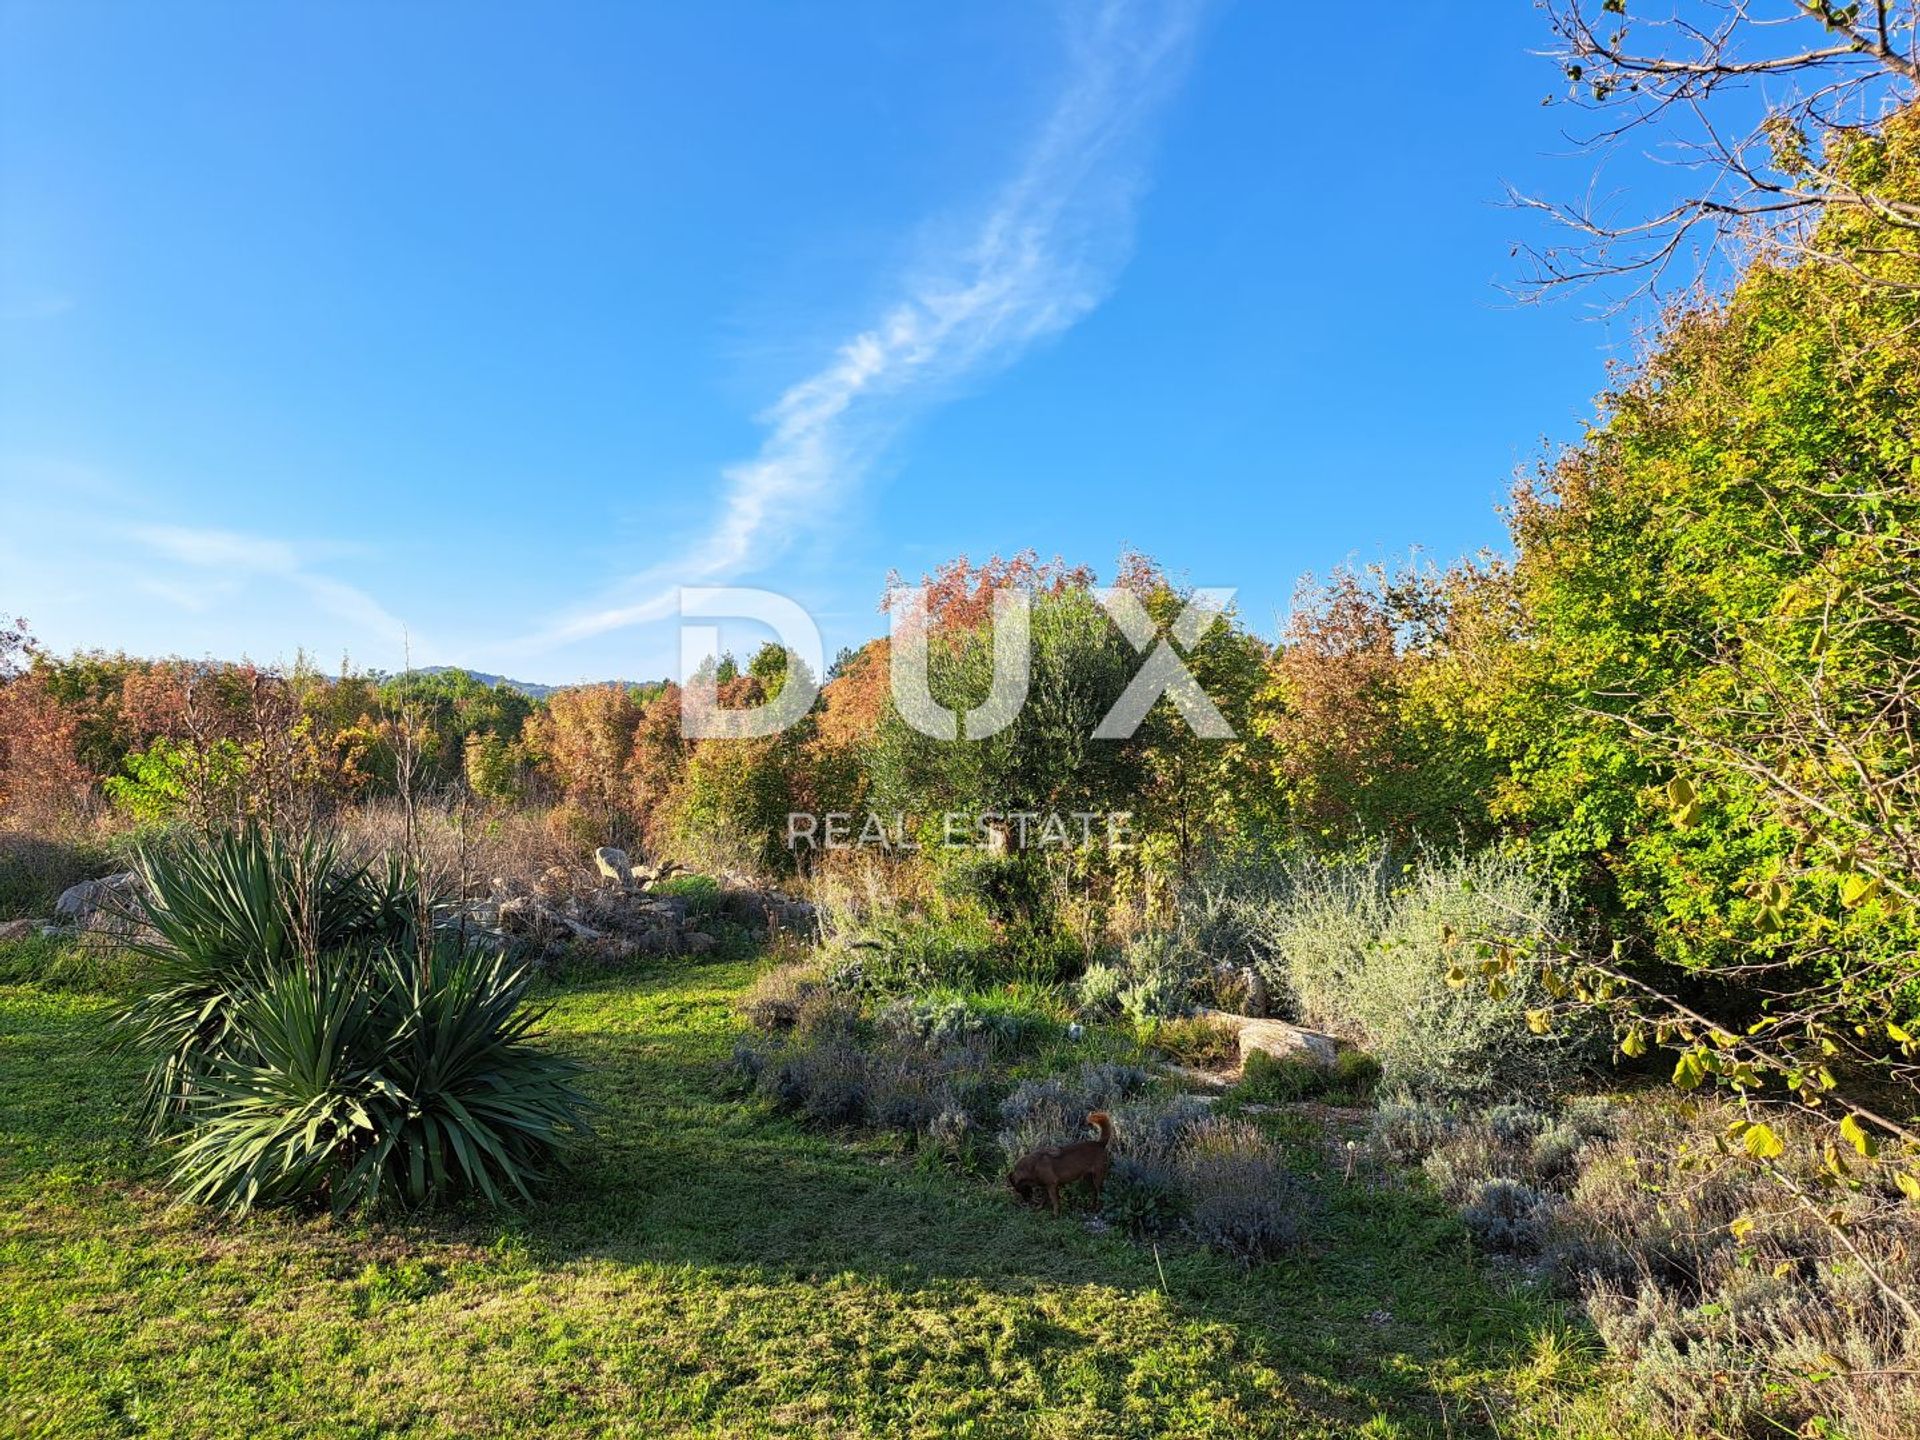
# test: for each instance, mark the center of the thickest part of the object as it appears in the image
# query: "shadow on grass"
(1385, 1292)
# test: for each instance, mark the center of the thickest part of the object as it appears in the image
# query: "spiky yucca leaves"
(378, 1076)
(221, 915)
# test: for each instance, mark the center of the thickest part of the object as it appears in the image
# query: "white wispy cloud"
(224, 558)
(1042, 255)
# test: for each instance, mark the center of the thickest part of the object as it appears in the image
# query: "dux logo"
(1163, 673)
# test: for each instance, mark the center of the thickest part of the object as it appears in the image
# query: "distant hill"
(527, 687)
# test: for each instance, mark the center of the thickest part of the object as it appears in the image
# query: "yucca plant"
(374, 1077)
(219, 916)
(313, 1034)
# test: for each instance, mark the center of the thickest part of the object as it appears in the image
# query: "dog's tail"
(1103, 1122)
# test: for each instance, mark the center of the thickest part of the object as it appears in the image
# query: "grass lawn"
(709, 1269)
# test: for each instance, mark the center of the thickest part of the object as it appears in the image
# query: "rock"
(697, 942)
(78, 904)
(644, 875)
(527, 917)
(19, 929)
(1278, 1038)
(612, 862)
(797, 914)
(656, 942)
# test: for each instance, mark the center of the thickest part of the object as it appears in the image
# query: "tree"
(1204, 795)
(41, 775)
(1361, 741)
(1710, 711)
(1774, 107)
(584, 737)
(657, 762)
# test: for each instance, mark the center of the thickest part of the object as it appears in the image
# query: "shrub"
(310, 1037)
(377, 1076)
(1513, 1122)
(1042, 1112)
(1156, 1133)
(777, 997)
(1011, 889)
(1733, 1307)
(1241, 1200)
(1506, 1215)
(1275, 1081)
(903, 1094)
(701, 894)
(1143, 1198)
(936, 1023)
(221, 917)
(825, 1083)
(1158, 982)
(1196, 1041)
(744, 1067)
(954, 1138)
(1053, 1110)
(1407, 1128)
(1106, 1083)
(1553, 1151)
(1356, 947)
(1099, 989)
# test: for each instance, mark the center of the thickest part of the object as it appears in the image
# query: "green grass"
(707, 1269)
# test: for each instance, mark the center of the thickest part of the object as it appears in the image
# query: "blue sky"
(471, 331)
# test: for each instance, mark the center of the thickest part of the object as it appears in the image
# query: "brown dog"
(1060, 1165)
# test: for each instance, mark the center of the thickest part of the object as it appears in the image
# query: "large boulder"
(1278, 1039)
(612, 862)
(110, 897)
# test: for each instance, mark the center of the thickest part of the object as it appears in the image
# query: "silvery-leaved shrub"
(1407, 1128)
(1159, 979)
(1508, 1216)
(1054, 1110)
(1241, 1200)
(1359, 947)
(1099, 988)
(1514, 1121)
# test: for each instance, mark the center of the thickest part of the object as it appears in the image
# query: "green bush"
(177, 780)
(1159, 979)
(1099, 989)
(1349, 1080)
(379, 1076)
(310, 1036)
(219, 916)
(701, 894)
(1195, 1041)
